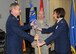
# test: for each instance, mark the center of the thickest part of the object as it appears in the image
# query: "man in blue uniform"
(59, 33)
(15, 32)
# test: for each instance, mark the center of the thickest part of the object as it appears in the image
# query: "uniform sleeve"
(26, 27)
(17, 30)
(55, 35)
(48, 30)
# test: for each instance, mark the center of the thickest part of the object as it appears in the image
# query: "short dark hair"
(60, 12)
(13, 5)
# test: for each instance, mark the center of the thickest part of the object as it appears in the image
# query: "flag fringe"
(73, 50)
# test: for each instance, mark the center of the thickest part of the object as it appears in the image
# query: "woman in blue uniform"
(59, 33)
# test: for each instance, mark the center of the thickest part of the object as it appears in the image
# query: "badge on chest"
(56, 27)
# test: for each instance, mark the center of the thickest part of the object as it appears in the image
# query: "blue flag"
(32, 16)
(73, 29)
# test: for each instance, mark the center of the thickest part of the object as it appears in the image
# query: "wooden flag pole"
(23, 41)
(39, 50)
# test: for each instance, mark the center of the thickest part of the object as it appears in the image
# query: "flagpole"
(39, 50)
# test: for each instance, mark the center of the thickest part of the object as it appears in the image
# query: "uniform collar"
(14, 16)
(59, 20)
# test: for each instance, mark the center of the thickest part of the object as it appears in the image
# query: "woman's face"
(55, 16)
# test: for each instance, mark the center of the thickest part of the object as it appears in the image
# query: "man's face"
(16, 10)
(41, 15)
